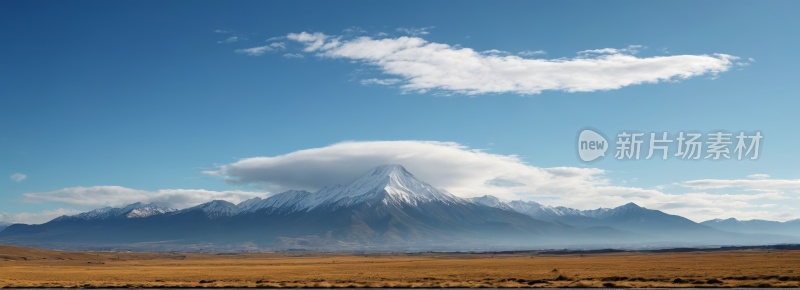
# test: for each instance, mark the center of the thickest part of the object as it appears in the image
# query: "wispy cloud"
(354, 30)
(632, 49)
(256, 51)
(35, 218)
(428, 66)
(116, 196)
(760, 183)
(414, 31)
(384, 82)
(231, 39)
(223, 31)
(758, 176)
(278, 45)
(18, 177)
(495, 51)
(293, 55)
(530, 52)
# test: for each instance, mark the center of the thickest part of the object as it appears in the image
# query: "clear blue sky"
(146, 94)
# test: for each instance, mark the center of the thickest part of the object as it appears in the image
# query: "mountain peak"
(391, 170)
(215, 208)
(630, 205)
(394, 180)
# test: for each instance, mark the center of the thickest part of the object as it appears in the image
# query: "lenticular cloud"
(428, 66)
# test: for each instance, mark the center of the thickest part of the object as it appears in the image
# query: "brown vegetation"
(26, 267)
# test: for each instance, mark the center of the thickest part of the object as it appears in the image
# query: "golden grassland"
(27, 267)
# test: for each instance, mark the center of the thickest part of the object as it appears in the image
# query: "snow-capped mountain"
(213, 209)
(400, 187)
(387, 208)
(536, 209)
(490, 201)
(136, 210)
(629, 217)
(4, 225)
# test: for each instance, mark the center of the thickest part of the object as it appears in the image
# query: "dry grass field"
(26, 267)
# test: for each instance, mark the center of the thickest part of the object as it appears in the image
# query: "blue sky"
(151, 96)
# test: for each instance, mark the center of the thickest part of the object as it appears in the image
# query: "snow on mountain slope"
(490, 201)
(249, 204)
(399, 185)
(4, 225)
(288, 201)
(214, 209)
(627, 209)
(536, 209)
(135, 210)
(392, 184)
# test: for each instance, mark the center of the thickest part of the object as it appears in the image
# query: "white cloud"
(255, 51)
(231, 39)
(632, 49)
(35, 218)
(116, 196)
(468, 173)
(293, 55)
(414, 31)
(278, 45)
(530, 52)
(381, 34)
(275, 38)
(354, 30)
(758, 176)
(223, 31)
(18, 177)
(761, 184)
(426, 66)
(384, 82)
(315, 41)
(495, 51)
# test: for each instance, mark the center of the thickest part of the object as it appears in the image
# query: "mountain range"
(791, 227)
(387, 208)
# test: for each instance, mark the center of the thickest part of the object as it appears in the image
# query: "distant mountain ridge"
(387, 208)
(791, 227)
(135, 210)
(4, 225)
(631, 217)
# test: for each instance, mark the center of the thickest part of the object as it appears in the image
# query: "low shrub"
(562, 278)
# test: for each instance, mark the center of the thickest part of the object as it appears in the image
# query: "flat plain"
(27, 267)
